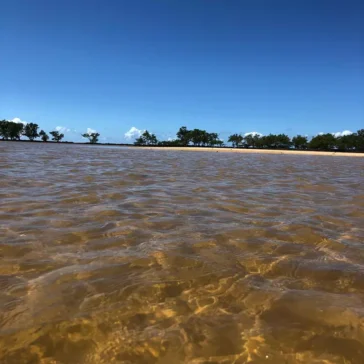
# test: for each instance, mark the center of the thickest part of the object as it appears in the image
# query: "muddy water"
(112, 255)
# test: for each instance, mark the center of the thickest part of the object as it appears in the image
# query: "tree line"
(201, 138)
(10, 130)
(185, 137)
(328, 141)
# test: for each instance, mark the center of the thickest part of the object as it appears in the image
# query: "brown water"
(111, 255)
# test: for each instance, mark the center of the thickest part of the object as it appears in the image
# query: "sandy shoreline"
(200, 149)
(253, 151)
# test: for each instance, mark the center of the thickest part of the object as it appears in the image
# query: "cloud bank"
(19, 121)
(62, 129)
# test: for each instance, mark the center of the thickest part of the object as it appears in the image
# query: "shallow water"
(112, 255)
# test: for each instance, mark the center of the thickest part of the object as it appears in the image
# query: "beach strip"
(251, 151)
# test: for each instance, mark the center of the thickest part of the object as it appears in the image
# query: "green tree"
(359, 143)
(300, 142)
(146, 139)
(31, 131)
(259, 141)
(252, 140)
(282, 141)
(213, 139)
(44, 136)
(346, 142)
(274, 141)
(268, 141)
(10, 130)
(184, 136)
(204, 138)
(323, 142)
(152, 140)
(57, 137)
(139, 141)
(4, 129)
(92, 137)
(196, 137)
(15, 130)
(169, 143)
(235, 139)
(219, 143)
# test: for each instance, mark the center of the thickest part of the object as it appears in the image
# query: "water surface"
(112, 255)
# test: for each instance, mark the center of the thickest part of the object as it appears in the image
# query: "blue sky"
(221, 65)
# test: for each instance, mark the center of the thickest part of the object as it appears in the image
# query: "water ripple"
(134, 256)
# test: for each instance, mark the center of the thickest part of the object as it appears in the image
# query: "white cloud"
(19, 121)
(339, 133)
(133, 133)
(342, 133)
(62, 129)
(253, 133)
